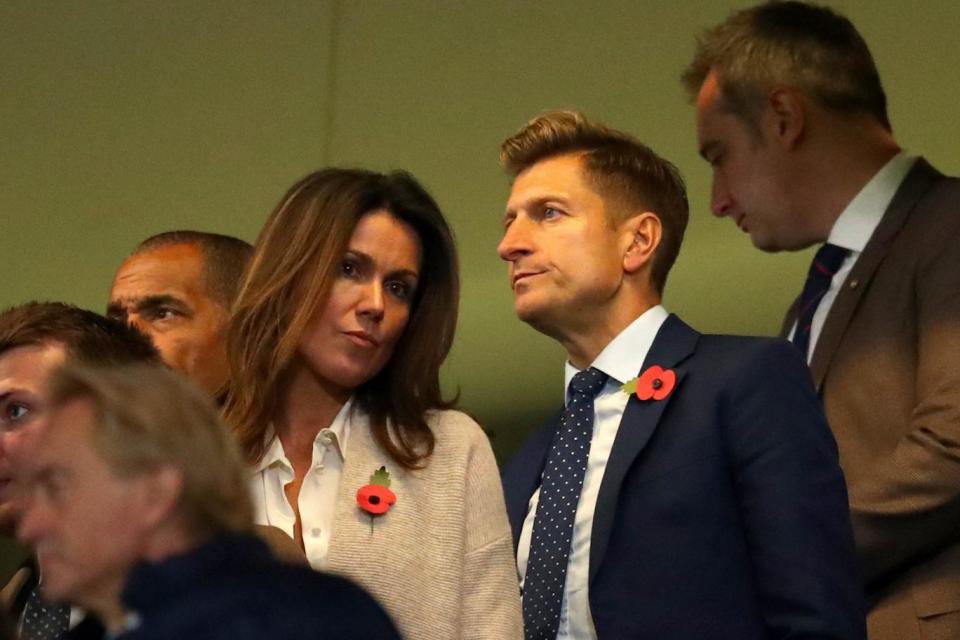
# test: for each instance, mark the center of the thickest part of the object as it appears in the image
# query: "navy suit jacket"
(722, 512)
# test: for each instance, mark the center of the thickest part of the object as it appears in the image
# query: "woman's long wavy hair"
(295, 262)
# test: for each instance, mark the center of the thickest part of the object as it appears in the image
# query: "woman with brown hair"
(347, 311)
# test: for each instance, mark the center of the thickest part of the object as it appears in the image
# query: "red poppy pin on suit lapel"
(376, 498)
(656, 383)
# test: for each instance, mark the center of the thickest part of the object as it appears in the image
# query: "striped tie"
(825, 265)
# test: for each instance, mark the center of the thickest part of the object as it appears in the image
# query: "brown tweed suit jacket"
(887, 366)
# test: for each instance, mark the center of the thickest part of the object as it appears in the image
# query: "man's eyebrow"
(160, 300)
(536, 202)
(116, 309)
(707, 148)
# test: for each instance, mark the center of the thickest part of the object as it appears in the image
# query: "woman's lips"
(361, 338)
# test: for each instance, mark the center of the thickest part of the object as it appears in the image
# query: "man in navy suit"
(690, 488)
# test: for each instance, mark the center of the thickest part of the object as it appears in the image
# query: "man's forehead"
(173, 270)
(715, 122)
(710, 91)
(535, 194)
(30, 365)
(170, 261)
(553, 177)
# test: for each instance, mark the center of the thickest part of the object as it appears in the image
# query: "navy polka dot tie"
(43, 621)
(559, 493)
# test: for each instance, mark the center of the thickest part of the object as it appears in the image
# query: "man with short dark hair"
(792, 117)
(690, 486)
(35, 339)
(177, 287)
(136, 501)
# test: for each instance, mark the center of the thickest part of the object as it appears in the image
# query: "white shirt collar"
(334, 436)
(620, 357)
(860, 218)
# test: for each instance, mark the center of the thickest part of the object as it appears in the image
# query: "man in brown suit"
(792, 117)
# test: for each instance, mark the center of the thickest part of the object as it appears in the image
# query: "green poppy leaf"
(381, 477)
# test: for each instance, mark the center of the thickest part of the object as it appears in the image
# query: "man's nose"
(515, 241)
(720, 200)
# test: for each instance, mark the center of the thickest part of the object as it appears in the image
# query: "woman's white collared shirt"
(318, 494)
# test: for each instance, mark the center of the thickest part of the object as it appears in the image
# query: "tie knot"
(828, 259)
(588, 382)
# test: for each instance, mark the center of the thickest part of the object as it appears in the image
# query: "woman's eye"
(348, 268)
(400, 290)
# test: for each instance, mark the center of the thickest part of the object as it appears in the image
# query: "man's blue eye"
(15, 411)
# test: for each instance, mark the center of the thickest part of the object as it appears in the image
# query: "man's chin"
(764, 243)
(528, 311)
(58, 582)
(540, 317)
(770, 241)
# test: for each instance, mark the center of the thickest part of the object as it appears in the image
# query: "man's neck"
(849, 158)
(584, 346)
(105, 603)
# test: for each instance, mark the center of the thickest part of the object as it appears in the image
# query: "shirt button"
(315, 532)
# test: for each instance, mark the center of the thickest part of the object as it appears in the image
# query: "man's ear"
(160, 490)
(785, 118)
(642, 234)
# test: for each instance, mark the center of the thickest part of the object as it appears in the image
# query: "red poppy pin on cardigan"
(376, 498)
(655, 383)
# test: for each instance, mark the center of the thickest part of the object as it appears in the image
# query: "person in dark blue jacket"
(690, 487)
(136, 503)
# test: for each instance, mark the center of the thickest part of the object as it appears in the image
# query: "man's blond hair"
(147, 417)
(619, 167)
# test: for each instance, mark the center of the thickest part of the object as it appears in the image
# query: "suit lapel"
(918, 181)
(674, 343)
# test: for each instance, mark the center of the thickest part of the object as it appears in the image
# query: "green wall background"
(122, 119)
